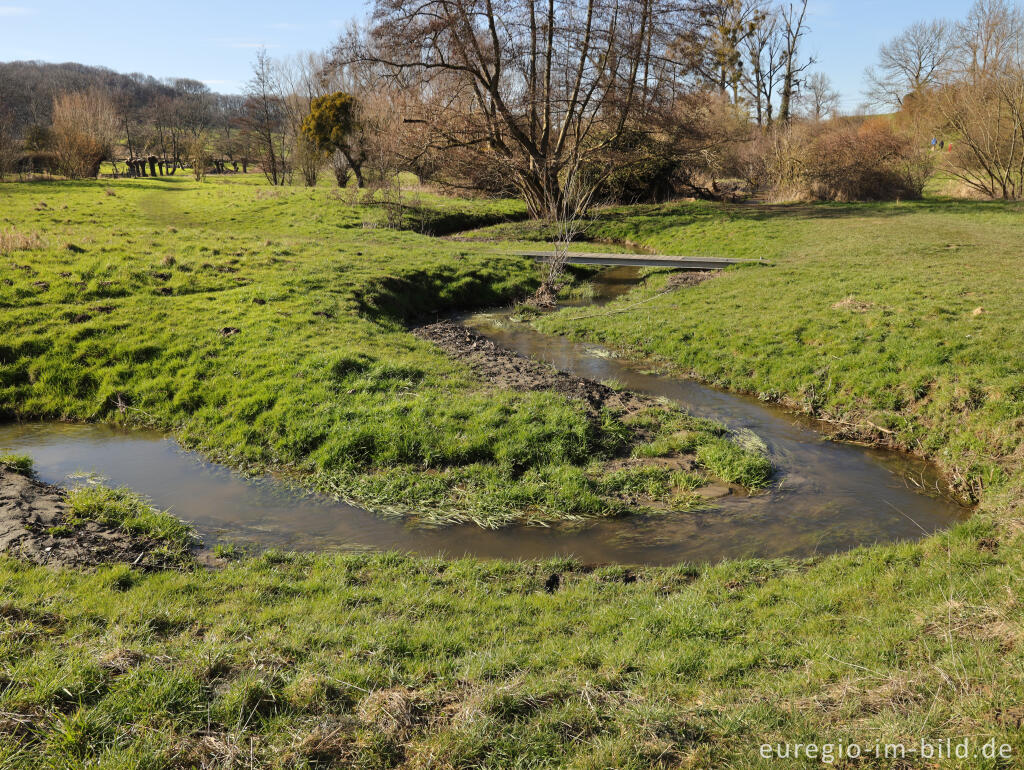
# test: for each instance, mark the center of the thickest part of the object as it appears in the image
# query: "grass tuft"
(124, 510)
(17, 463)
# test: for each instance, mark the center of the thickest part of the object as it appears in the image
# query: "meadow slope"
(898, 323)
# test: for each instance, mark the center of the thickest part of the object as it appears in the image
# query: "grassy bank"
(898, 323)
(267, 327)
(286, 661)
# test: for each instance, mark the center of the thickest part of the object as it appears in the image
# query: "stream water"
(827, 496)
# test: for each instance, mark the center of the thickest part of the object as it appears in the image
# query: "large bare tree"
(543, 90)
(794, 27)
(989, 39)
(818, 98)
(764, 61)
(265, 120)
(714, 43)
(981, 99)
(912, 62)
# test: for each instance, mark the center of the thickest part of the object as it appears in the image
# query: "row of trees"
(621, 98)
(569, 101)
(632, 98)
(963, 81)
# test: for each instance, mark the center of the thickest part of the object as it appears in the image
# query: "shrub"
(841, 160)
(84, 131)
(866, 162)
(38, 162)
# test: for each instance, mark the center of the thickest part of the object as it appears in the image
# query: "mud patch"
(853, 304)
(507, 369)
(35, 525)
(686, 278)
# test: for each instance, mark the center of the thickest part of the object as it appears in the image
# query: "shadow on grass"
(690, 211)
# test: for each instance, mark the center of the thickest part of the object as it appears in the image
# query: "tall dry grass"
(12, 240)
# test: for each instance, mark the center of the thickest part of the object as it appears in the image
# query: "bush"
(39, 162)
(842, 160)
(649, 180)
(85, 129)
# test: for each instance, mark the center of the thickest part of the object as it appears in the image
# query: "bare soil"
(507, 369)
(685, 278)
(34, 519)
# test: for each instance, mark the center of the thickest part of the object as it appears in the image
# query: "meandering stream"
(827, 496)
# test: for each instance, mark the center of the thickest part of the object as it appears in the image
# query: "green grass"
(285, 661)
(896, 322)
(18, 463)
(267, 328)
(382, 660)
(123, 510)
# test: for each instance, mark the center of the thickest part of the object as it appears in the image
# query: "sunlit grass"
(267, 327)
(383, 660)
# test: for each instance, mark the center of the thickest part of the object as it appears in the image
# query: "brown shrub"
(866, 162)
(37, 162)
(841, 160)
(85, 129)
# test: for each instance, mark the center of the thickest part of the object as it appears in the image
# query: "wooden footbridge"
(640, 260)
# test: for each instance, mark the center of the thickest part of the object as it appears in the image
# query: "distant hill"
(27, 88)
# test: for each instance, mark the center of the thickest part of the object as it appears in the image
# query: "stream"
(826, 496)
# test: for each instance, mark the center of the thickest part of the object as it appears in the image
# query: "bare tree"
(818, 98)
(794, 28)
(987, 116)
(577, 196)
(981, 100)
(713, 46)
(266, 120)
(989, 39)
(532, 87)
(300, 79)
(199, 156)
(764, 62)
(167, 137)
(910, 63)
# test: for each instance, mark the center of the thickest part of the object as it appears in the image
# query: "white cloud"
(253, 45)
(15, 10)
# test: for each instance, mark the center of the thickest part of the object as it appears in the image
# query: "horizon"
(843, 39)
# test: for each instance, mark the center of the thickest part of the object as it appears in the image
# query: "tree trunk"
(786, 97)
(542, 193)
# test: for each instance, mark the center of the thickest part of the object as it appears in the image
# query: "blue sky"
(215, 41)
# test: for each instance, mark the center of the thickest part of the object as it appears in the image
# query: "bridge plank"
(641, 260)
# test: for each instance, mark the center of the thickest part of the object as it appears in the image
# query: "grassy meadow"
(899, 323)
(866, 317)
(267, 328)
